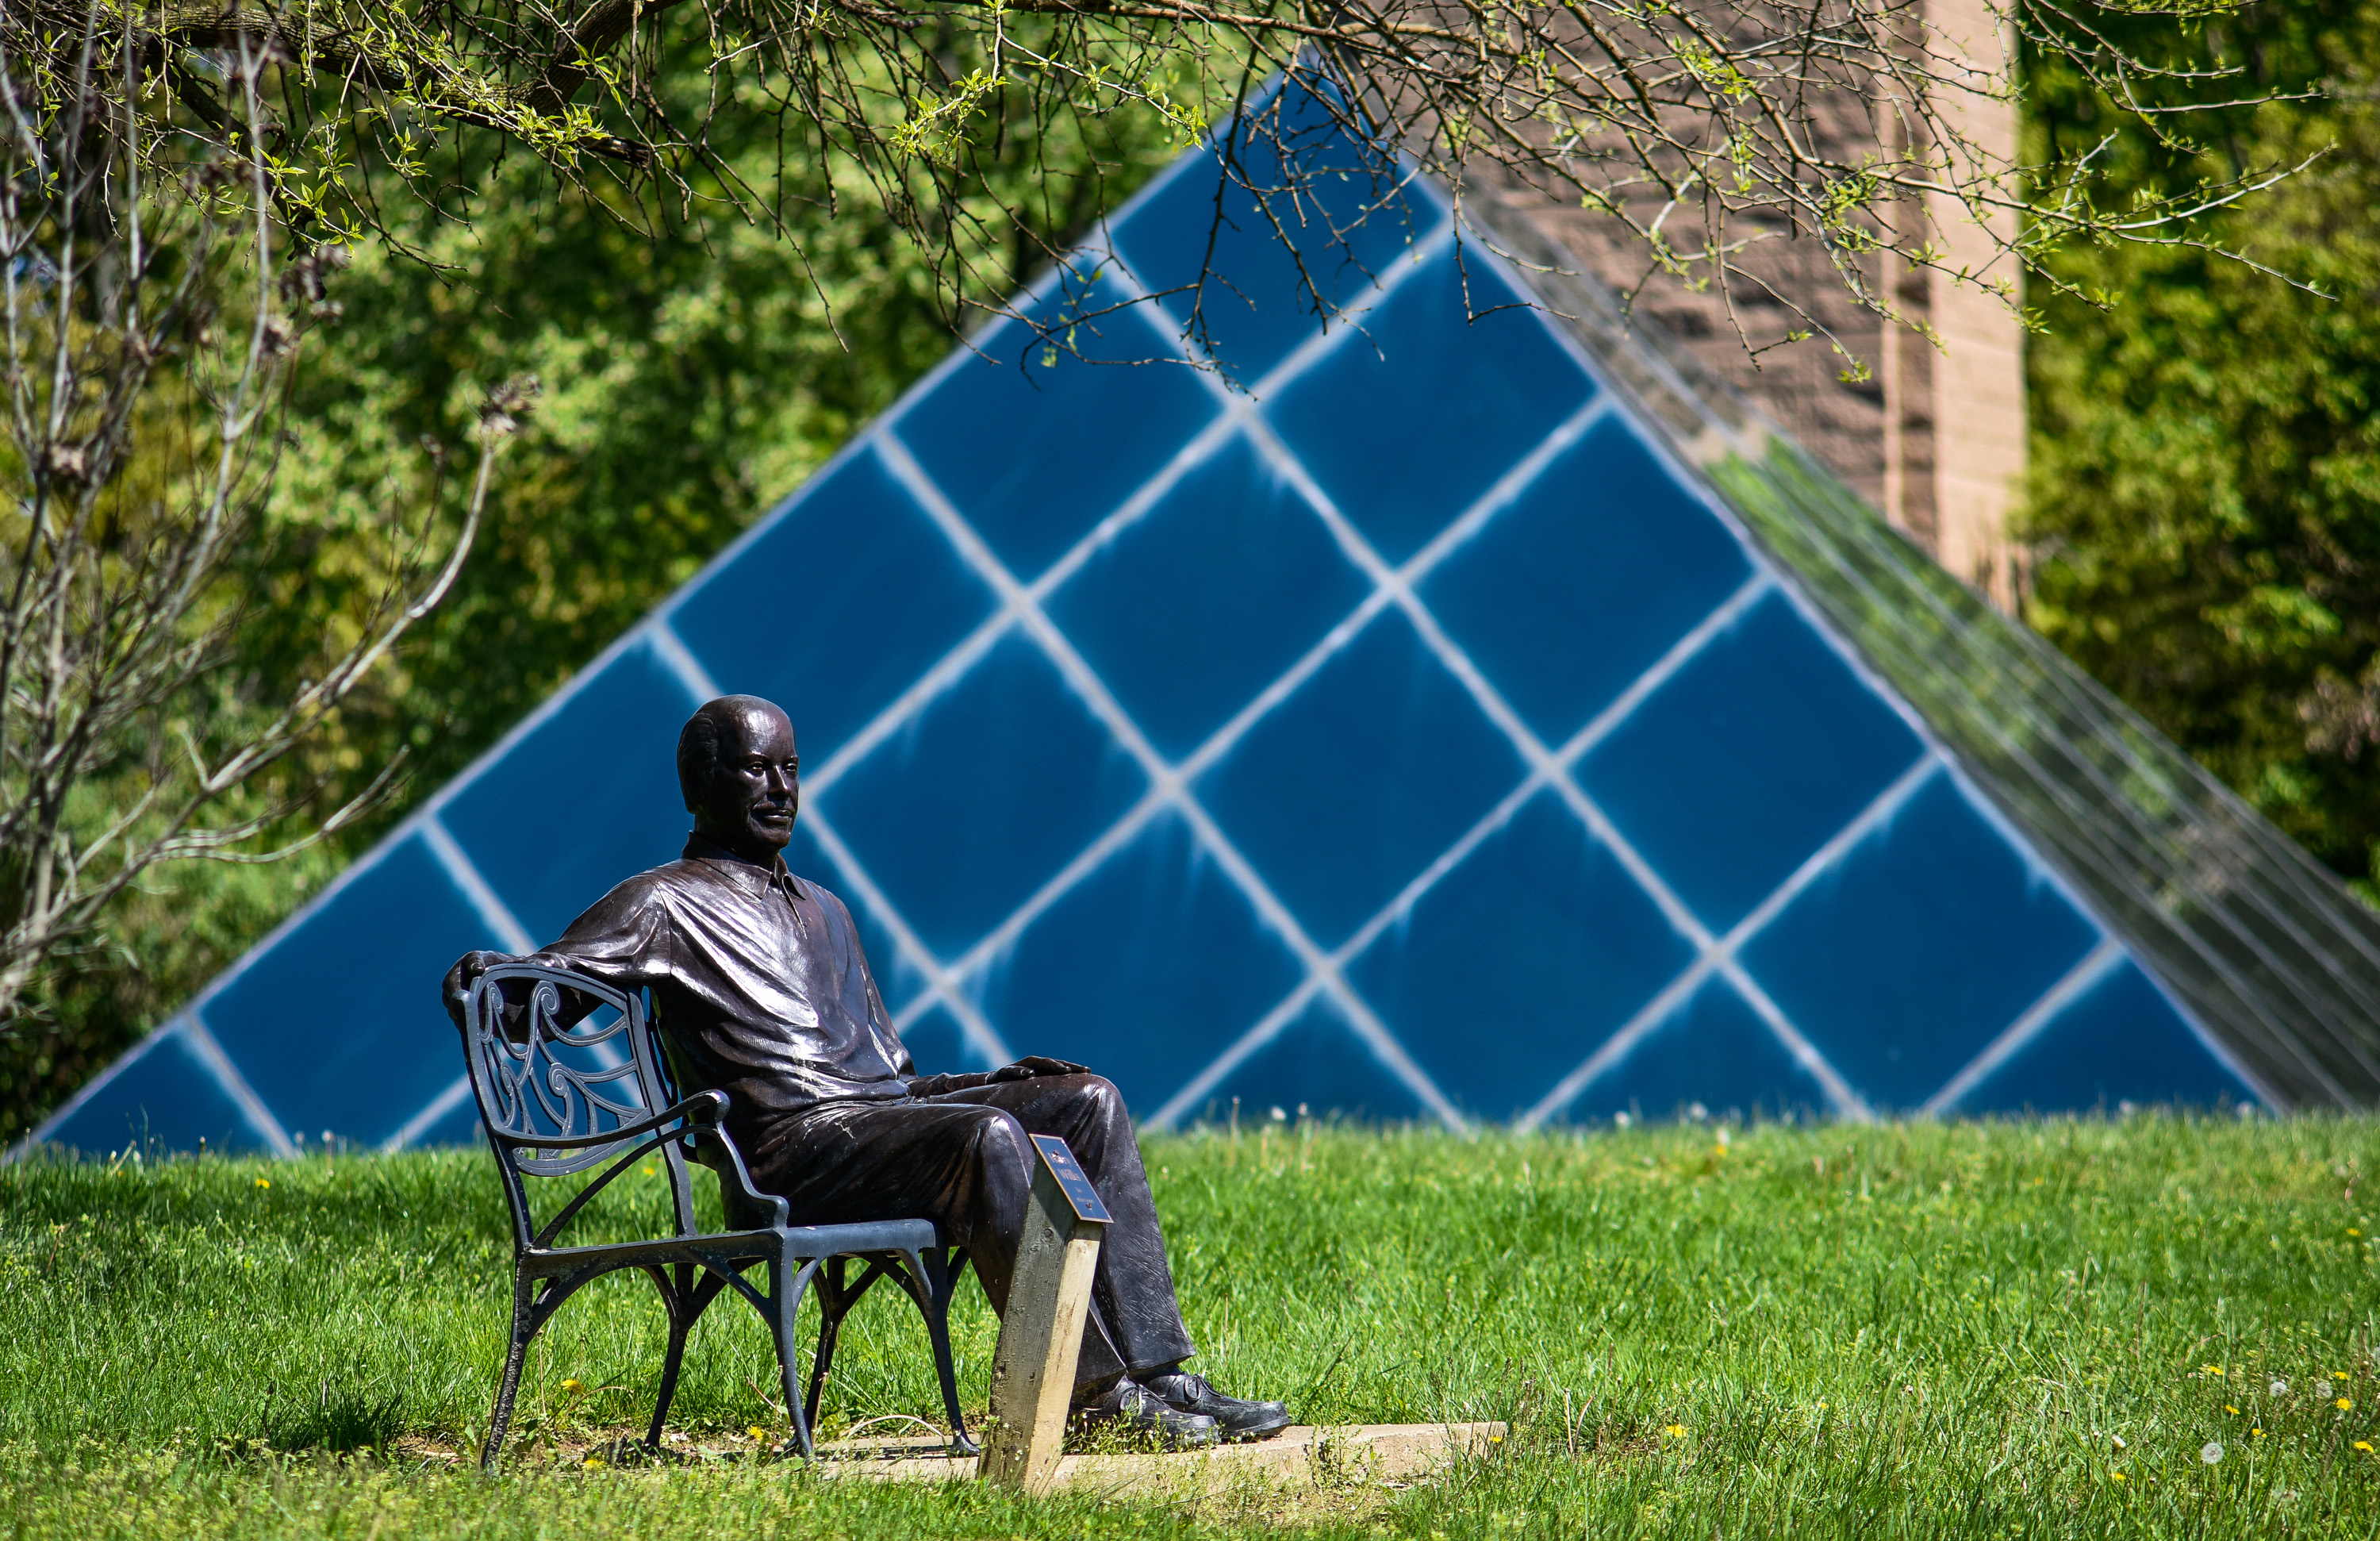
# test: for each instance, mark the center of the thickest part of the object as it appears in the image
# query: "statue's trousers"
(961, 1158)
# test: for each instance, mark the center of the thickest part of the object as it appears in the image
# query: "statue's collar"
(701, 847)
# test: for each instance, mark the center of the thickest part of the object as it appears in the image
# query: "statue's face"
(754, 791)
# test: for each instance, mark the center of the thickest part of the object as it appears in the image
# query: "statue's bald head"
(736, 769)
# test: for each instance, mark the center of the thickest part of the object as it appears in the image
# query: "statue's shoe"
(1129, 1407)
(1184, 1392)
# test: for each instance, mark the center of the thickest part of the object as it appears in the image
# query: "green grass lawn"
(1910, 1330)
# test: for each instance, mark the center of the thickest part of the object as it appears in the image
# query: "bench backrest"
(561, 1064)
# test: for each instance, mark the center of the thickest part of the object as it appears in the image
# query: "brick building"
(1933, 433)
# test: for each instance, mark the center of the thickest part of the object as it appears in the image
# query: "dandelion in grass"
(264, 1181)
(2352, 1231)
(2279, 1387)
(1675, 1431)
(593, 1462)
(2364, 1445)
(758, 1434)
(2338, 1375)
(574, 1384)
(2212, 1370)
(2228, 1408)
(2117, 1476)
(2255, 1434)
(2211, 1452)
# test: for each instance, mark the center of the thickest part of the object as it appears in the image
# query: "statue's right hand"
(463, 976)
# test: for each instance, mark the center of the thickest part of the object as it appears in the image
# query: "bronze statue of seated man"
(761, 991)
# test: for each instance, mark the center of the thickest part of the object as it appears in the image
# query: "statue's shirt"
(757, 978)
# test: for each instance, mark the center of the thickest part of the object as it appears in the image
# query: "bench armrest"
(703, 1110)
(745, 1207)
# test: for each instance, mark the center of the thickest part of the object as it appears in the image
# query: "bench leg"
(939, 1280)
(833, 1304)
(787, 1296)
(524, 1328)
(697, 1287)
(676, 1299)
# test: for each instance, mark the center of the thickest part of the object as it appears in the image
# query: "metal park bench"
(561, 1096)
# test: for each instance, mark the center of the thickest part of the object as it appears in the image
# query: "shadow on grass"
(339, 1422)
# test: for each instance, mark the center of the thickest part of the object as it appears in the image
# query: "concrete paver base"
(1298, 1457)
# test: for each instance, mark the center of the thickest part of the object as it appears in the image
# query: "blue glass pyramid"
(1453, 712)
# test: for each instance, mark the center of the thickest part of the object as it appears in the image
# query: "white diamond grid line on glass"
(1021, 606)
(1535, 754)
(1390, 586)
(1845, 1101)
(1721, 951)
(942, 980)
(1244, 427)
(430, 1116)
(1235, 410)
(500, 921)
(1093, 692)
(208, 1053)
(467, 877)
(2096, 964)
(1397, 588)
(1157, 798)
(2097, 852)
(1680, 652)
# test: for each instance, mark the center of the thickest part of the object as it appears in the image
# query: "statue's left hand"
(1024, 1069)
(1038, 1064)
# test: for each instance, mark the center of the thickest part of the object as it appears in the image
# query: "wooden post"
(1041, 1331)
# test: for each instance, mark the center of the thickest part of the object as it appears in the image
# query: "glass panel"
(1145, 971)
(1192, 612)
(1036, 451)
(1359, 779)
(1919, 947)
(834, 608)
(460, 1126)
(939, 1047)
(1406, 424)
(161, 1097)
(1748, 759)
(1519, 961)
(1586, 580)
(337, 1025)
(1713, 1052)
(1348, 218)
(2266, 945)
(1318, 1062)
(588, 797)
(992, 790)
(2121, 1041)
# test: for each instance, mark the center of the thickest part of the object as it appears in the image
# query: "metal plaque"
(1071, 1179)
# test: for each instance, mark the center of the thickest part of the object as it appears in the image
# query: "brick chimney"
(1933, 433)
